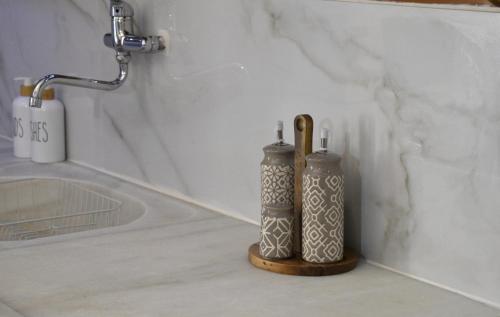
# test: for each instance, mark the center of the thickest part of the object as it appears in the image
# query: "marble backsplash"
(410, 95)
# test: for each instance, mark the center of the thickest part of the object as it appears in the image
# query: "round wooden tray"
(295, 266)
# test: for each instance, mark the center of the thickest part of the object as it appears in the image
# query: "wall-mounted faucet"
(122, 39)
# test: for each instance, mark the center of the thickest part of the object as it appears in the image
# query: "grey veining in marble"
(410, 94)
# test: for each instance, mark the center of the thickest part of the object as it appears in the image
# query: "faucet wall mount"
(122, 39)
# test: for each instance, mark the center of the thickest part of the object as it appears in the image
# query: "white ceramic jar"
(47, 130)
(21, 116)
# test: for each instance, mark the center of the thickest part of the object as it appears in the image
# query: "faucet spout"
(36, 98)
(122, 40)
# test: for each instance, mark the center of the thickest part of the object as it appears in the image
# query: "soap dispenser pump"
(21, 116)
(47, 130)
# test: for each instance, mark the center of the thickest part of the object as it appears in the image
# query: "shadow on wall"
(352, 197)
(5, 109)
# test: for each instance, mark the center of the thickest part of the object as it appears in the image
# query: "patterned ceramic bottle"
(277, 190)
(323, 206)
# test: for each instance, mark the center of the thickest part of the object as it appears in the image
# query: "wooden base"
(296, 266)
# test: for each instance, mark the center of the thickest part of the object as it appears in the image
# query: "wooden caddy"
(295, 265)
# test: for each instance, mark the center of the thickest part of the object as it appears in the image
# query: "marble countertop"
(182, 260)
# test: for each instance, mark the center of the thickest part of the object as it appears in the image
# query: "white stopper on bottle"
(324, 139)
(279, 131)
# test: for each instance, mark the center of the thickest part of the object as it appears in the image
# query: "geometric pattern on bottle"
(276, 237)
(323, 218)
(277, 185)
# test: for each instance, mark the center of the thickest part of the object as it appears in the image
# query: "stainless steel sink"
(41, 207)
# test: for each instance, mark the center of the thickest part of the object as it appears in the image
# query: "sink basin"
(41, 207)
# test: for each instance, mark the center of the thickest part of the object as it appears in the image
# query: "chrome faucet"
(122, 39)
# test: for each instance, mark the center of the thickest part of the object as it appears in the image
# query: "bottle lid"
(279, 146)
(279, 132)
(27, 87)
(324, 140)
(323, 157)
(48, 93)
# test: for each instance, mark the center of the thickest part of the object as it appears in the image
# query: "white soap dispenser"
(21, 115)
(47, 130)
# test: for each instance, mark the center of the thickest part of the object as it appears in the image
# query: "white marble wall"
(411, 95)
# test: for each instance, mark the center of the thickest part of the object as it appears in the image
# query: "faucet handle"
(119, 8)
(135, 43)
(122, 38)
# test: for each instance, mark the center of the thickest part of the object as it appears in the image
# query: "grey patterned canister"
(277, 190)
(323, 206)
